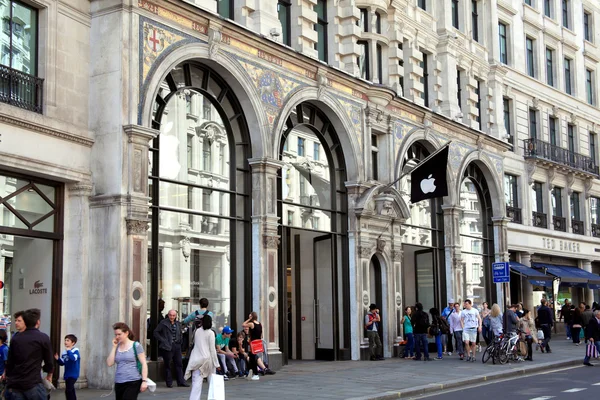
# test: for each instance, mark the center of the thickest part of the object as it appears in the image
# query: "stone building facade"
(245, 151)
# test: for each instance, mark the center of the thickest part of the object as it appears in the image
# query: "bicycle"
(493, 350)
(510, 350)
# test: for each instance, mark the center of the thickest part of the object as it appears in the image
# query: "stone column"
(136, 157)
(449, 102)
(501, 251)
(454, 279)
(413, 88)
(586, 265)
(265, 248)
(76, 266)
(527, 287)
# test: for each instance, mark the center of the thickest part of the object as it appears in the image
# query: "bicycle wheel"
(487, 354)
(503, 353)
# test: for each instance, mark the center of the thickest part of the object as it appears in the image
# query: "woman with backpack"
(203, 360)
(131, 377)
(435, 330)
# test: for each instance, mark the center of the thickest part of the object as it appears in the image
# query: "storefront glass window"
(28, 235)
(595, 210)
(199, 196)
(476, 237)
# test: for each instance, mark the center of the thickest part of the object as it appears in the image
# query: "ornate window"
(477, 243)
(200, 205)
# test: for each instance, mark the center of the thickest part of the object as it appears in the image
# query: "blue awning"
(534, 276)
(571, 275)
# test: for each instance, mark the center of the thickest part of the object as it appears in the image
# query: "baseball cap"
(451, 300)
(227, 330)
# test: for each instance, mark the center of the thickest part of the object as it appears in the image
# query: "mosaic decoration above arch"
(402, 128)
(354, 113)
(272, 87)
(156, 41)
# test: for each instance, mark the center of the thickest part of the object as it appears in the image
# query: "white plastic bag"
(151, 385)
(540, 334)
(216, 391)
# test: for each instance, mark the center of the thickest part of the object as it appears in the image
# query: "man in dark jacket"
(420, 323)
(28, 350)
(546, 321)
(592, 333)
(566, 315)
(169, 336)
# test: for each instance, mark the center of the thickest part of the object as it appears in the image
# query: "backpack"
(434, 329)
(444, 327)
(196, 323)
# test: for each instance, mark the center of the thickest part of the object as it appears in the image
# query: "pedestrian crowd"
(460, 328)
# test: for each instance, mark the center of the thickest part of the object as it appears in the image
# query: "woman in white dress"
(203, 360)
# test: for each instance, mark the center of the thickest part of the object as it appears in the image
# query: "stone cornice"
(60, 134)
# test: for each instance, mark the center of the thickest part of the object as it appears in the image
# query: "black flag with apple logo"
(428, 179)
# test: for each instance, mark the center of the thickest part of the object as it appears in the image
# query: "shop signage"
(501, 272)
(38, 288)
(567, 246)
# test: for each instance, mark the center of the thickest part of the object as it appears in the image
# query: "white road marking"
(596, 384)
(574, 390)
(543, 398)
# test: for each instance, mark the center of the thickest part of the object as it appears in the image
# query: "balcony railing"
(20, 89)
(514, 213)
(560, 223)
(540, 220)
(596, 230)
(577, 227)
(543, 150)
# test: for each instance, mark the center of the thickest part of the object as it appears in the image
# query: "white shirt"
(470, 318)
(454, 321)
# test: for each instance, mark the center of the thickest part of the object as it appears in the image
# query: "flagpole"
(389, 185)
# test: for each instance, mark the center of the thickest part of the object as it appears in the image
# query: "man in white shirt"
(471, 324)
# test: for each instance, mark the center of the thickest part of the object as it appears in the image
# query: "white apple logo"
(427, 185)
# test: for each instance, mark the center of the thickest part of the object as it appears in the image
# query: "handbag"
(256, 346)
(216, 390)
(137, 360)
(591, 350)
(540, 334)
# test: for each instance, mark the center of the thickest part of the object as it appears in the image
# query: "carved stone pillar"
(501, 251)
(76, 248)
(527, 287)
(138, 143)
(454, 275)
(265, 248)
(586, 265)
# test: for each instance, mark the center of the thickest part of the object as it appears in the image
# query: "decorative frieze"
(137, 226)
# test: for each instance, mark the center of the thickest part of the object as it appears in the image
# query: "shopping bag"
(540, 334)
(256, 346)
(151, 385)
(216, 390)
(591, 350)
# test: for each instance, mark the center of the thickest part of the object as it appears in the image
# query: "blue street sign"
(501, 272)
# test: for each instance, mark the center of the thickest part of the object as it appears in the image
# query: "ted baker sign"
(561, 245)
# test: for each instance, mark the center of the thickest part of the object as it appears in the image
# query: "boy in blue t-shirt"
(3, 350)
(70, 359)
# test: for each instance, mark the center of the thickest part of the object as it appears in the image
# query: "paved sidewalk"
(392, 378)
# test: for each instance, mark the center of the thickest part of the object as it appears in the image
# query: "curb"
(474, 380)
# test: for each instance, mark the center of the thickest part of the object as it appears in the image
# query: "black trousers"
(173, 356)
(253, 364)
(128, 390)
(70, 389)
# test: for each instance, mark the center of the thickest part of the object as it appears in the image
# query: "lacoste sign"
(38, 288)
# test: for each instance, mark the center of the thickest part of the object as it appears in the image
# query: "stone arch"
(432, 143)
(231, 71)
(384, 194)
(493, 180)
(338, 118)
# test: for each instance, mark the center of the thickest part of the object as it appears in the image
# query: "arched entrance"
(473, 280)
(312, 207)
(423, 239)
(376, 286)
(199, 238)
